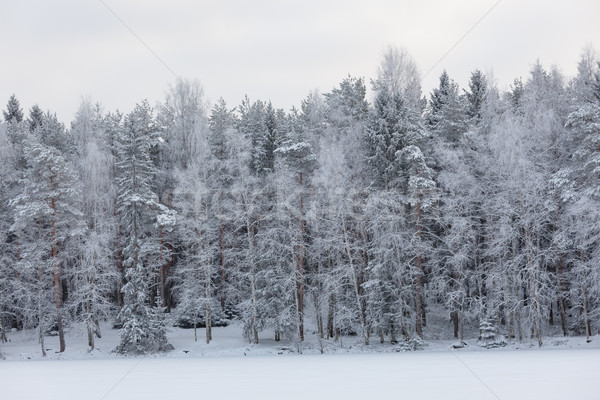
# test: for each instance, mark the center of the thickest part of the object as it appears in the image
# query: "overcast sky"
(53, 52)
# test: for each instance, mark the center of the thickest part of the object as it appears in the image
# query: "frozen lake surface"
(523, 374)
(569, 369)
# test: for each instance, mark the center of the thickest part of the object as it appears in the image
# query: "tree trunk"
(89, 326)
(2, 323)
(41, 310)
(561, 297)
(57, 286)
(90, 335)
(222, 256)
(355, 282)
(300, 266)
(97, 330)
(208, 315)
(119, 261)
(418, 277)
(454, 317)
(195, 328)
(319, 316)
(168, 296)
(586, 315)
(252, 279)
(163, 297)
(393, 339)
(534, 297)
(331, 310)
(518, 313)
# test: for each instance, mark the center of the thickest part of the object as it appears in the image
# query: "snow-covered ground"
(229, 368)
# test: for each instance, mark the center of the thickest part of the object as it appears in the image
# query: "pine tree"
(48, 212)
(420, 196)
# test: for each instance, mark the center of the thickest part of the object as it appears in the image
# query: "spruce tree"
(299, 156)
(222, 123)
(143, 326)
(13, 112)
(36, 117)
(439, 98)
(447, 116)
(476, 94)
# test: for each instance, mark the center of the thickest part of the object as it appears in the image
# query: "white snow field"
(567, 369)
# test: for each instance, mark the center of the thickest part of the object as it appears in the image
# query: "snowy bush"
(412, 345)
(489, 336)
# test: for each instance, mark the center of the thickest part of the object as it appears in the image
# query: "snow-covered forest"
(358, 216)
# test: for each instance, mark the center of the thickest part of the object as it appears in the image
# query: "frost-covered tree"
(222, 124)
(48, 213)
(461, 195)
(36, 117)
(476, 94)
(447, 114)
(521, 242)
(13, 112)
(16, 130)
(199, 232)
(183, 117)
(475, 207)
(143, 326)
(182, 126)
(298, 155)
(337, 245)
(579, 185)
(94, 277)
(401, 176)
(438, 99)
(420, 198)
(347, 105)
(396, 117)
(260, 122)
(7, 248)
(247, 193)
